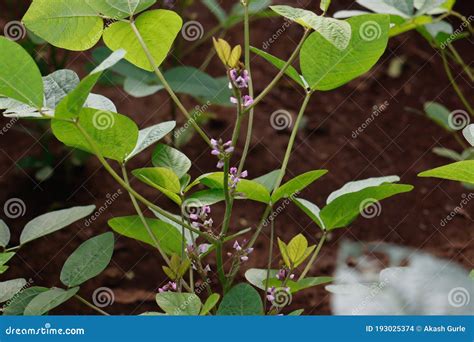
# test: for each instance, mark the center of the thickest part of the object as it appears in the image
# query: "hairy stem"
(165, 83)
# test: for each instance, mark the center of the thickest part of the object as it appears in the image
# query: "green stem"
(165, 83)
(460, 61)
(455, 85)
(269, 263)
(135, 194)
(248, 138)
(314, 256)
(280, 73)
(92, 306)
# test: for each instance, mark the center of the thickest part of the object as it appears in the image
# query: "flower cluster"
(283, 273)
(272, 293)
(201, 219)
(241, 253)
(221, 150)
(240, 79)
(171, 286)
(235, 177)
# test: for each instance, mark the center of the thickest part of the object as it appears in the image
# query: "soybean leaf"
(4, 257)
(344, 206)
(179, 304)
(447, 153)
(257, 277)
(426, 6)
(71, 105)
(119, 9)
(210, 303)
(150, 135)
(52, 222)
(132, 227)
(10, 287)
(68, 24)
(101, 102)
(355, 186)
(16, 306)
(88, 260)
(324, 5)
(401, 8)
(48, 300)
(169, 157)
(310, 209)
(206, 197)
(336, 32)
(241, 300)
(161, 178)
(158, 28)
(468, 133)
(296, 312)
(268, 180)
(4, 234)
(57, 85)
(296, 248)
(245, 188)
(20, 78)
(284, 253)
(114, 134)
(439, 114)
(188, 235)
(302, 284)
(325, 67)
(294, 186)
(279, 64)
(462, 171)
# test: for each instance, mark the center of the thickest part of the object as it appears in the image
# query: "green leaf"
(347, 203)
(150, 135)
(205, 197)
(257, 277)
(10, 288)
(188, 235)
(114, 134)
(336, 32)
(48, 300)
(298, 250)
(324, 5)
(67, 24)
(158, 28)
(119, 9)
(4, 234)
(52, 222)
(20, 78)
(447, 153)
(71, 105)
(16, 306)
(325, 67)
(404, 8)
(294, 186)
(284, 253)
(468, 133)
(296, 312)
(241, 300)
(279, 64)
(5, 256)
(162, 179)
(88, 260)
(215, 9)
(462, 171)
(179, 304)
(310, 209)
(132, 227)
(210, 303)
(245, 188)
(439, 114)
(169, 157)
(268, 180)
(302, 284)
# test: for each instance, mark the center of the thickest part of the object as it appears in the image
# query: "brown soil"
(397, 142)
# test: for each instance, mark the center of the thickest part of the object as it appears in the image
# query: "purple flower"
(237, 246)
(240, 79)
(221, 150)
(247, 100)
(244, 258)
(233, 100)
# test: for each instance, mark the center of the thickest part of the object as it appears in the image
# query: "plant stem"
(269, 263)
(460, 61)
(166, 84)
(454, 84)
(135, 194)
(92, 306)
(248, 138)
(280, 73)
(314, 256)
